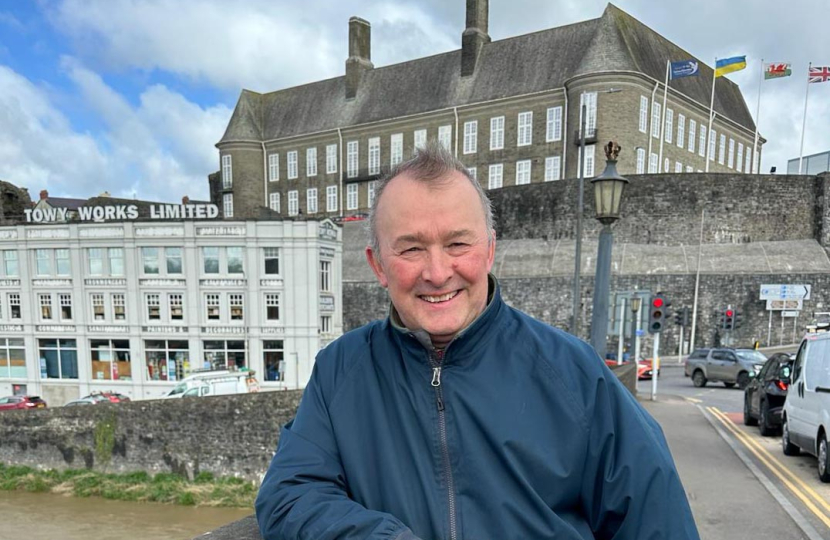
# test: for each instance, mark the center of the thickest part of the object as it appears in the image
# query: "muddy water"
(39, 516)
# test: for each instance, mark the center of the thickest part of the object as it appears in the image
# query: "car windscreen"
(752, 356)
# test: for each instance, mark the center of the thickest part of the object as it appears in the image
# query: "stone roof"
(515, 66)
(64, 202)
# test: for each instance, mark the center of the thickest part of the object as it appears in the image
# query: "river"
(42, 516)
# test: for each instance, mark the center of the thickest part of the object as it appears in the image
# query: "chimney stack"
(360, 54)
(185, 200)
(475, 36)
(44, 194)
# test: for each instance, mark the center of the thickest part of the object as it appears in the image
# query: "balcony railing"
(590, 136)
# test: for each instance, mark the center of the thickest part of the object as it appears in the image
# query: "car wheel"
(743, 380)
(748, 419)
(699, 379)
(763, 422)
(823, 465)
(729, 384)
(789, 448)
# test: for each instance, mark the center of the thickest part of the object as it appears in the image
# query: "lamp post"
(636, 302)
(608, 190)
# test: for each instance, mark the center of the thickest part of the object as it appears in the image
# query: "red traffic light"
(657, 302)
(729, 313)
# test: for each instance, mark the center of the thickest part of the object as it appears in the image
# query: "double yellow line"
(795, 484)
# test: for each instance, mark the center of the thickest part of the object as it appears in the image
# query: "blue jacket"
(519, 431)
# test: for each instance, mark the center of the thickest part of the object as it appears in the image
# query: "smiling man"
(459, 417)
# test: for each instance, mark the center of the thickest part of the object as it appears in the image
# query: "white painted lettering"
(50, 214)
(201, 211)
(98, 213)
(132, 211)
(62, 213)
(85, 213)
(109, 212)
(121, 212)
(212, 211)
(37, 215)
(28, 213)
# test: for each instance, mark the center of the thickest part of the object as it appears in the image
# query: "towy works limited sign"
(124, 212)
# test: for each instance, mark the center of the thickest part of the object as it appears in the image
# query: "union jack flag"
(819, 74)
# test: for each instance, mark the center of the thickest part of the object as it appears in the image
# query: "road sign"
(785, 292)
(789, 314)
(778, 305)
(640, 332)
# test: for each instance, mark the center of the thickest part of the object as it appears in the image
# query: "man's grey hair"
(430, 165)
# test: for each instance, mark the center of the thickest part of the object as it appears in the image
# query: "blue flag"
(684, 68)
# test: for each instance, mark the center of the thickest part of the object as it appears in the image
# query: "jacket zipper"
(436, 361)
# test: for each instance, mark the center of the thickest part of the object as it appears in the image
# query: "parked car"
(806, 416)
(112, 397)
(729, 366)
(765, 395)
(215, 383)
(644, 371)
(82, 401)
(21, 402)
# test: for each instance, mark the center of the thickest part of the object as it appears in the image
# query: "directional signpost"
(785, 292)
(786, 298)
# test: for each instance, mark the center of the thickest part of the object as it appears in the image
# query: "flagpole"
(663, 120)
(753, 167)
(804, 122)
(711, 113)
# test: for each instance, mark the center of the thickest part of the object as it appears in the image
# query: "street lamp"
(608, 191)
(636, 302)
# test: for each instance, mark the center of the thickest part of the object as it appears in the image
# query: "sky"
(130, 96)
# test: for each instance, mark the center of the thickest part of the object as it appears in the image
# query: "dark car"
(111, 397)
(21, 402)
(765, 395)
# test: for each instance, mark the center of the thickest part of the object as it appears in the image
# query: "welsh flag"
(777, 70)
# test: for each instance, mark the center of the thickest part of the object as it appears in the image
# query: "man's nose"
(439, 267)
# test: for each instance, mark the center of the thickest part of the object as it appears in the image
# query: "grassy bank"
(205, 490)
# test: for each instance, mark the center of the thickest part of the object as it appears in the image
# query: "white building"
(134, 305)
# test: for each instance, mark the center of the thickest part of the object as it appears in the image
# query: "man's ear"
(377, 267)
(491, 250)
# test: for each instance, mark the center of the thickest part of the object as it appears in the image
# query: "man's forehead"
(421, 236)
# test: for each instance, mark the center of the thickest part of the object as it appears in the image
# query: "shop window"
(272, 356)
(110, 359)
(12, 358)
(58, 358)
(220, 354)
(166, 360)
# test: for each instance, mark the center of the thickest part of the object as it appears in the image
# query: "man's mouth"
(440, 298)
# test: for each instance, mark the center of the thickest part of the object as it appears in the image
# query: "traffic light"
(657, 311)
(729, 319)
(681, 317)
(722, 319)
(736, 323)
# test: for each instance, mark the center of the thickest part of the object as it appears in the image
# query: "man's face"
(434, 253)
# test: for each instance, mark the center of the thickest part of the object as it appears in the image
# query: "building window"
(666, 165)
(495, 176)
(722, 149)
(748, 163)
(331, 199)
(292, 165)
(655, 120)
(12, 358)
(166, 360)
(98, 307)
(237, 307)
(227, 172)
(445, 136)
(213, 307)
(473, 173)
(552, 168)
(116, 260)
(470, 136)
(311, 161)
(174, 260)
(110, 359)
(497, 133)
(224, 354)
(589, 160)
(370, 193)
(396, 143)
(272, 358)
(669, 124)
(153, 307)
(678, 167)
(311, 200)
(420, 138)
(351, 159)
(44, 262)
(712, 138)
(273, 167)
(351, 196)
(740, 158)
(272, 260)
(523, 172)
(60, 357)
(62, 262)
(643, 114)
(692, 128)
(10, 263)
(95, 257)
(293, 203)
(641, 160)
(325, 324)
(210, 260)
(45, 307)
(227, 202)
(689, 169)
(331, 158)
(272, 306)
(731, 159)
(652, 163)
(150, 260)
(374, 155)
(236, 262)
(325, 276)
(274, 202)
(525, 134)
(681, 130)
(176, 305)
(554, 127)
(701, 141)
(14, 306)
(119, 303)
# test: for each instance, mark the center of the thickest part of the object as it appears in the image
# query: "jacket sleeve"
(631, 489)
(304, 494)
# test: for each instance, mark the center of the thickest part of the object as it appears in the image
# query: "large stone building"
(510, 109)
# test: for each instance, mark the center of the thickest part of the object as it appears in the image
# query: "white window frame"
(274, 167)
(713, 137)
(641, 160)
(748, 160)
(656, 109)
(325, 275)
(420, 138)
(11, 266)
(495, 176)
(67, 259)
(331, 159)
(643, 114)
(293, 202)
(98, 300)
(666, 165)
(470, 137)
(653, 160)
(311, 161)
(523, 168)
(681, 130)
(692, 135)
(524, 134)
(292, 165)
(678, 167)
(669, 124)
(445, 136)
(311, 200)
(374, 155)
(395, 148)
(730, 161)
(272, 300)
(236, 300)
(553, 168)
(227, 172)
(351, 196)
(152, 300)
(352, 159)
(65, 300)
(45, 301)
(553, 133)
(701, 141)
(497, 133)
(213, 300)
(119, 300)
(739, 158)
(227, 204)
(590, 162)
(331, 199)
(274, 201)
(722, 149)
(370, 193)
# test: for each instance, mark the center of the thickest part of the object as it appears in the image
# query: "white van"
(806, 417)
(215, 383)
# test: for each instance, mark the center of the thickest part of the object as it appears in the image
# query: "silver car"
(729, 366)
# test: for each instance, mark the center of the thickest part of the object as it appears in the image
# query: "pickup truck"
(729, 366)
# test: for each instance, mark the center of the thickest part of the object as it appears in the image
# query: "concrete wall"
(224, 435)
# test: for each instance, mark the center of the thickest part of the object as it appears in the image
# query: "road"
(741, 485)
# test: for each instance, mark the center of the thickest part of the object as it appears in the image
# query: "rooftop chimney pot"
(360, 54)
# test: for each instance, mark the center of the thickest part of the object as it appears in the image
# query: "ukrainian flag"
(728, 65)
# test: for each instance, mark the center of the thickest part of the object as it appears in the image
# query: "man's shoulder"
(338, 358)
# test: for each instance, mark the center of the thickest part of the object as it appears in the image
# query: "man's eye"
(411, 250)
(458, 244)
